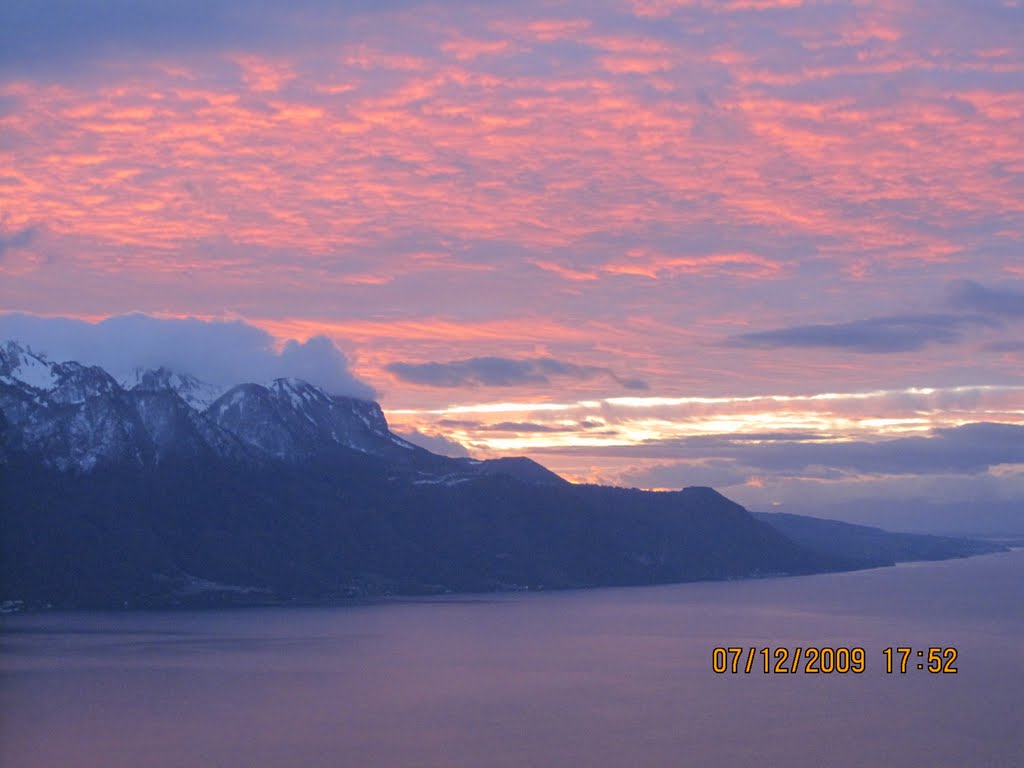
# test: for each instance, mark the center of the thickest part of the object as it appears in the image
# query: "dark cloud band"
(976, 297)
(967, 449)
(503, 372)
(897, 333)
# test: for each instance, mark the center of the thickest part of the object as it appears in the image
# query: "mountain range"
(159, 489)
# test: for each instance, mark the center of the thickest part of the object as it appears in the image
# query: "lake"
(609, 677)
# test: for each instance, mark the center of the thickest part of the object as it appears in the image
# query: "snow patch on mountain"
(22, 365)
(77, 383)
(198, 394)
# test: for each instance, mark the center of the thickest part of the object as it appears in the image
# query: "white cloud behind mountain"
(221, 352)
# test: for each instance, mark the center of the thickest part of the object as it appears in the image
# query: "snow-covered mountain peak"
(198, 394)
(367, 412)
(19, 364)
(292, 416)
(76, 383)
(79, 417)
(240, 401)
(297, 393)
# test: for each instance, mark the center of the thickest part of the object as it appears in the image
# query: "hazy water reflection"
(617, 677)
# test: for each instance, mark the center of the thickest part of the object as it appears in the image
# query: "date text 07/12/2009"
(830, 660)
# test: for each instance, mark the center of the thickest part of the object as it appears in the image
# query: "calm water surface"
(616, 677)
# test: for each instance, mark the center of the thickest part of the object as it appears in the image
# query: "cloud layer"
(902, 333)
(219, 352)
(503, 372)
(1007, 302)
(968, 449)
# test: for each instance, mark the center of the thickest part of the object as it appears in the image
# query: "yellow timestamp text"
(829, 660)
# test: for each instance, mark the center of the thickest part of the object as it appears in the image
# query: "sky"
(772, 246)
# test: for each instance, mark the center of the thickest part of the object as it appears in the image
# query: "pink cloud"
(629, 182)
